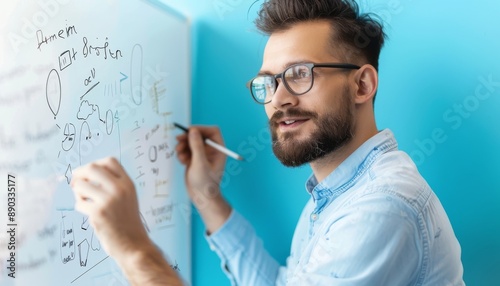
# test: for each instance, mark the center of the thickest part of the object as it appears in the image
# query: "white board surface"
(82, 80)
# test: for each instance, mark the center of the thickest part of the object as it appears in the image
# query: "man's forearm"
(214, 213)
(148, 267)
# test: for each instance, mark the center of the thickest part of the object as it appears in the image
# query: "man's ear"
(366, 84)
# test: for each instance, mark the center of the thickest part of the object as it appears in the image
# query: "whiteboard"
(82, 80)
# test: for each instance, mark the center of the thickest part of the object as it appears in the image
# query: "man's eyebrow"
(285, 66)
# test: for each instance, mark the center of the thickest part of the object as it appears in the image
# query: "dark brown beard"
(334, 130)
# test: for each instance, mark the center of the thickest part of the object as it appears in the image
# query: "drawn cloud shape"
(86, 109)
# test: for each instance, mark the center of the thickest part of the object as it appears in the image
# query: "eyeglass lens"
(297, 79)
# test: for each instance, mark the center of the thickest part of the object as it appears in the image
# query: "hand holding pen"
(204, 170)
(213, 144)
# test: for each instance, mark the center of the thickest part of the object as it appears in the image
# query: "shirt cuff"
(231, 236)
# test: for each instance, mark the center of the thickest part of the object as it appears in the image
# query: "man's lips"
(288, 123)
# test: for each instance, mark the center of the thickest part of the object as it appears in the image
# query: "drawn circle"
(109, 122)
(53, 91)
(69, 136)
(136, 74)
(84, 146)
(153, 154)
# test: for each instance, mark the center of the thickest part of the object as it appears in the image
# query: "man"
(371, 220)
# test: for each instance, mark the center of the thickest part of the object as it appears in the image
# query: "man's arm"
(245, 261)
(106, 194)
(204, 169)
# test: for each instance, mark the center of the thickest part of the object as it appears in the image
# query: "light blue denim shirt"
(373, 221)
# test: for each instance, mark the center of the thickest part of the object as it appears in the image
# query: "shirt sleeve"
(243, 257)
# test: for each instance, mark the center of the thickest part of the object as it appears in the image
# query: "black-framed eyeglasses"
(298, 79)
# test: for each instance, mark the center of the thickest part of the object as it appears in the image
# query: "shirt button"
(314, 217)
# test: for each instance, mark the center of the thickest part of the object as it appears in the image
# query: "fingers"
(212, 133)
(197, 146)
(85, 191)
(112, 166)
(101, 182)
(182, 149)
(192, 144)
(94, 174)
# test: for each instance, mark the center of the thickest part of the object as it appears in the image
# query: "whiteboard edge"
(164, 7)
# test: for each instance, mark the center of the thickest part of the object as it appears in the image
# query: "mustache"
(291, 112)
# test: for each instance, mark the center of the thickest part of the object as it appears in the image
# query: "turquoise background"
(431, 96)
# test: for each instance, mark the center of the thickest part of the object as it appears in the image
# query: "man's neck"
(325, 165)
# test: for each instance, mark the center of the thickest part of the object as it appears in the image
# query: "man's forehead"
(303, 42)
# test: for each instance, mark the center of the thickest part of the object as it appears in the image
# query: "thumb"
(197, 146)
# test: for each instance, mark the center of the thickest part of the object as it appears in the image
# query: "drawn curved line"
(99, 113)
(83, 252)
(53, 79)
(88, 136)
(136, 74)
(69, 137)
(119, 134)
(109, 121)
(85, 110)
(153, 154)
(94, 238)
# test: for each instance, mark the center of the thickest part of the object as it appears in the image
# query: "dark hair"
(358, 34)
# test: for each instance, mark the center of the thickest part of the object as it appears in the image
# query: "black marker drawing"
(69, 137)
(86, 109)
(91, 88)
(85, 135)
(94, 243)
(67, 242)
(85, 223)
(68, 174)
(53, 92)
(89, 49)
(175, 267)
(136, 74)
(83, 252)
(88, 81)
(99, 113)
(65, 60)
(109, 122)
(117, 118)
(89, 269)
(153, 154)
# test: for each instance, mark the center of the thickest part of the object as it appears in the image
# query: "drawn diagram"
(65, 59)
(85, 223)
(109, 122)
(111, 90)
(53, 92)
(83, 252)
(84, 149)
(69, 137)
(86, 109)
(67, 242)
(95, 244)
(68, 174)
(136, 74)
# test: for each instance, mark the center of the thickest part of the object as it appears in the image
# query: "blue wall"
(432, 95)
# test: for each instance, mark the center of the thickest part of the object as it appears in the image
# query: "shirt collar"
(351, 168)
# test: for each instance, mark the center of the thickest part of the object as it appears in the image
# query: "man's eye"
(301, 72)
